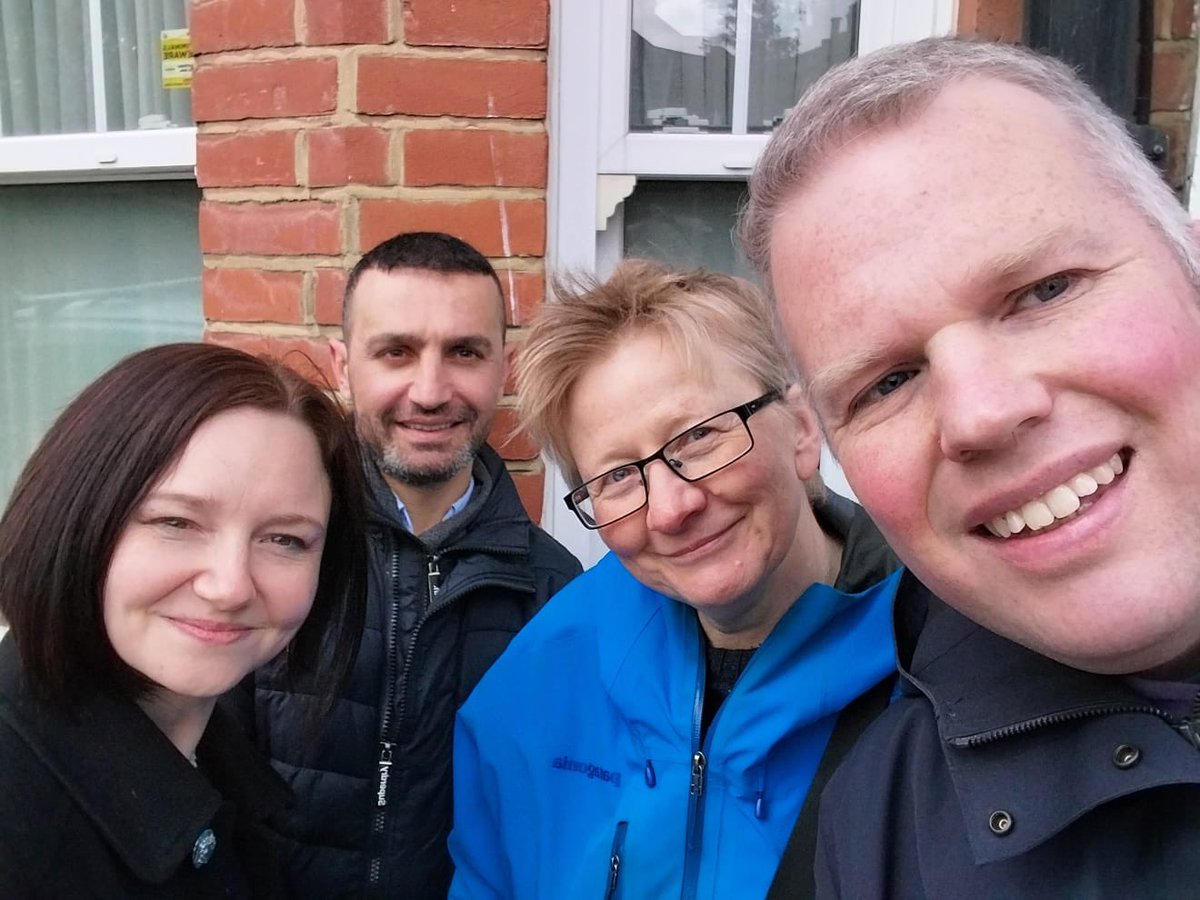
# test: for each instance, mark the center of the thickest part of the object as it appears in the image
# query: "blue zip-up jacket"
(579, 770)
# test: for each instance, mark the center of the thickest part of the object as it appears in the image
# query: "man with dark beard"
(457, 568)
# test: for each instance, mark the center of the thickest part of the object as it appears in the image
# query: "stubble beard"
(393, 464)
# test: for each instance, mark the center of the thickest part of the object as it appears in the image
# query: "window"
(91, 91)
(687, 93)
(74, 299)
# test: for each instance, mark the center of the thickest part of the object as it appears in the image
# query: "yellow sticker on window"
(177, 61)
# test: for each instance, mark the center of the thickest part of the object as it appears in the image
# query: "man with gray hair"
(993, 300)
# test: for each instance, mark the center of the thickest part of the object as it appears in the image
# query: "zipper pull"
(614, 869)
(698, 764)
(385, 767)
(433, 575)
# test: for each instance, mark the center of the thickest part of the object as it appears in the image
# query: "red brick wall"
(329, 125)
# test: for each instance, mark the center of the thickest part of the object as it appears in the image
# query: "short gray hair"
(893, 86)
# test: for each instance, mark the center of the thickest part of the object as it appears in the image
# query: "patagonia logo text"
(591, 771)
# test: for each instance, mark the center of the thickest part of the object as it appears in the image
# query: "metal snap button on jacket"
(1001, 822)
(1126, 756)
(203, 849)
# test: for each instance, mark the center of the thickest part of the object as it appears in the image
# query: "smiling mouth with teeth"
(1057, 504)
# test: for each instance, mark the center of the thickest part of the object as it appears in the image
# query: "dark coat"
(373, 795)
(1000, 773)
(98, 803)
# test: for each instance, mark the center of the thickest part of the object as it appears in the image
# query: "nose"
(671, 501)
(987, 390)
(430, 387)
(225, 580)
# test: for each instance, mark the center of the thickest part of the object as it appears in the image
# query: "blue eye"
(1050, 288)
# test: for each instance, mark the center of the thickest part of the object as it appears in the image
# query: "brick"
(514, 88)
(346, 22)
(1174, 19)
(328, 287)
(287, 229)
(239, 24)
(475, 157)
(246, 158)
(264, 90)
(509, 440)
(494, 227)
(251, 295)
(477, 23)
(307, 356)
(1183, 19)
(348, 155)
(1174, 78)
(523, 294)
(993, 20)
(531, 488)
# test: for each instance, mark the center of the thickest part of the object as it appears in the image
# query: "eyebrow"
(997, 270)
(195, 502)
(393, 338)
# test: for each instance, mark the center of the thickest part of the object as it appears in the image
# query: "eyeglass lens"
(696, 453)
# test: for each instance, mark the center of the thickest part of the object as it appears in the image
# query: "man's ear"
(339, 362)
(808, 432)
(509, 359)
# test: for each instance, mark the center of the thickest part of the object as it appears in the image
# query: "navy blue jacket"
(1001, 773)
(373, 793)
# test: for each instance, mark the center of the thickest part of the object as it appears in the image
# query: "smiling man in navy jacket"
(457, 568)
(993, 298)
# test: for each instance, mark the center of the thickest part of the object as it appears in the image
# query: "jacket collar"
(146, 801)
(495, 502)
(1017, 726)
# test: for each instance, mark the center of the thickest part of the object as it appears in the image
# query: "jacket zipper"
(695, 813)
(996, 734)
(614, 859)
(436, 603)
(1190, 726)
(384, 760)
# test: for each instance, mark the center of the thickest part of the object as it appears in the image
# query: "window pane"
(791, 46)
(47, 66)
(686, 223)
(681, 65)
(682, 56)
(92, 272)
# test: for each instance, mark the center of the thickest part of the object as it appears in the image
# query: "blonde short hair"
(699, 312)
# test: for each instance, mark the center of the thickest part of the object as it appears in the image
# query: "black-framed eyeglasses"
(696, 452)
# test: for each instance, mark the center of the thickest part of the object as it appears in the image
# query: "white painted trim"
(108, 156)
(1193, 163)
(99, 88)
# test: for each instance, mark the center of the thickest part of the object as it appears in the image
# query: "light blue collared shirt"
(455, 508)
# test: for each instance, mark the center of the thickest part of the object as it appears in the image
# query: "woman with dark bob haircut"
(192, 514)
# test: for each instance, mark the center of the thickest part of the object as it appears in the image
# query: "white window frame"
(99, 155)
(595, 160)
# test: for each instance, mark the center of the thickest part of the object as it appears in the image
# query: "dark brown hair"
(93, 468)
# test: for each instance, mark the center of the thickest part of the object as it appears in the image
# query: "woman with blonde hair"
(656, 728)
